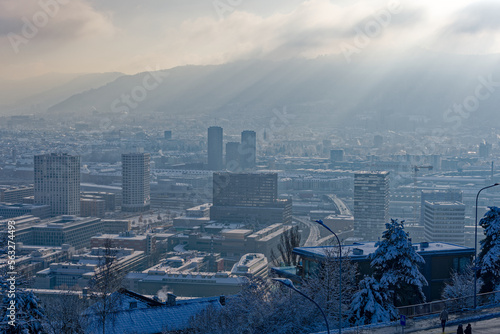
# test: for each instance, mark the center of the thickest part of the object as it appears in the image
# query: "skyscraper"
(248, 149)
(135, 182)
(233, 156)
(57, 183)
(215, 148)
(371, 204)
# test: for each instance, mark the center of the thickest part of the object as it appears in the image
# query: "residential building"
(371, 204)
(444, 222)
(57, 183)
(135, 182)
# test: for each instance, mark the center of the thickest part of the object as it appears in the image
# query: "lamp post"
(475, 245)
(286, 282)
(340, 272)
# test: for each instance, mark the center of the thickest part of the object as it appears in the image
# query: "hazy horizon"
(58, 36)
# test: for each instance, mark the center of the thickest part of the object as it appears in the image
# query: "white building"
(371, 204)
(57, 183)
(444, 222)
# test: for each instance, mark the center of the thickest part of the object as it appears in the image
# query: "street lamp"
(340, 272)
(475, 245)
(286, 282)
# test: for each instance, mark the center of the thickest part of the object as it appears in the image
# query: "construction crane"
(415, 172)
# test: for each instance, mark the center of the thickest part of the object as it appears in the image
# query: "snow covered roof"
(149, 319)
(361, 250)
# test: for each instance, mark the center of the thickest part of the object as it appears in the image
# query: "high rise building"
(57, 183)
(371, 204)
(336, 155)
(233, 156)
(248, 149)
(215, 148)
(438, 195)
(444, 222)
(249, 197)
(135, 182)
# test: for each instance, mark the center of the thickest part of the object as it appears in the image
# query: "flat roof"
(368, 248)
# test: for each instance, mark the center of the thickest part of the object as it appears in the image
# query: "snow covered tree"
(489, 257)
(372, 303)
(461, 289)
(261, 307)
(395, 264)
(28, 312)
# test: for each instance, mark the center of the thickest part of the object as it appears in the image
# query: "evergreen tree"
(28, 312)
(489, 257)
(372, 303)
(395, 264)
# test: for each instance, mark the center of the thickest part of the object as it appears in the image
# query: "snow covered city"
(249, 167)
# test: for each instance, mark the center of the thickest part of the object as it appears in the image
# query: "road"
(312, 239)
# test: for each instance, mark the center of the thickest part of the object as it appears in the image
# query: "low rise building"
(441, 260)
(251, 265)
(145, 243)
(10, 210)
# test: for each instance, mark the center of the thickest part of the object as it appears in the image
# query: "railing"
(452, 305)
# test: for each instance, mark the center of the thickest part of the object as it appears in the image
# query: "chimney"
(171, 299)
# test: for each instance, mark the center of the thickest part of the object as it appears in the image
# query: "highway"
(312, 239)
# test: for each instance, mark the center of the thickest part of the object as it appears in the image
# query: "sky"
(89, 36)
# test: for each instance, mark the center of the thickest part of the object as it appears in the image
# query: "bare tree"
(64, 313)
(106, 280)
(289, 239)
(323, 285)
(461, 289)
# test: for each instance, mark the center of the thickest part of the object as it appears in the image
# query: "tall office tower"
(336, 155)
(233, 156)
(438, 195)
(248, 149)
(215, 148)
(444, 222)
(57, 183)
(371, 204)
(248, 197)
(135, 182)
(484, 150)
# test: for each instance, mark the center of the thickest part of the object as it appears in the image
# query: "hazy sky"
(76, 36)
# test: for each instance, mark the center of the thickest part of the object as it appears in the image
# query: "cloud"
(313, 28)
(53, 20)
(471, 29)
(476, 18)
